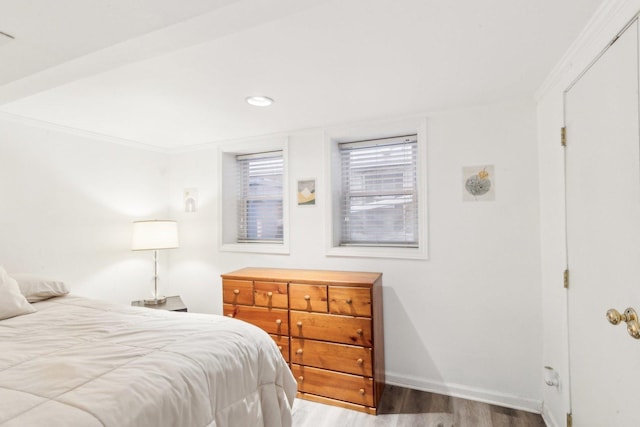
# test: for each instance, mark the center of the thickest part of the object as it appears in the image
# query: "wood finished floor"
(403, 407)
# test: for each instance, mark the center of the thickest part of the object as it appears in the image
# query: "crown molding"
(27, 121)
(602, 28)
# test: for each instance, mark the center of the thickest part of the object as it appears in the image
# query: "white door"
(603, 236)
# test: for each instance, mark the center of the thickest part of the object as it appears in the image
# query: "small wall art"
(479, 183)
(306, 192)
(190, 200)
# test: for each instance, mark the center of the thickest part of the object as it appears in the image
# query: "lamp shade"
(154, 234)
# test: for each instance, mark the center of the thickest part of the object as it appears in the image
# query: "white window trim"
(228, 208)
(333, 137)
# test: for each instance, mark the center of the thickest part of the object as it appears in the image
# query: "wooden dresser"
(328, 325)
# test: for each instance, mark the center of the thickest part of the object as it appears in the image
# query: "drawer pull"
(278, 322)
(299, 324)
(361, 391)
(280, 347)
(360, 361)
(349, 301)
(307, 297)
(359, 331)
(236, 291)
(299, 351)
(269, 294)
(229, 315)
(300, 378)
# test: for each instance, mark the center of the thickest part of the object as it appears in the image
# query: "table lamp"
(154, 235)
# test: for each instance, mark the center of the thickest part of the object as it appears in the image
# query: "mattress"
(82, 362)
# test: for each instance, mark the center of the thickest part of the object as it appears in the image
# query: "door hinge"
(563, 136)
(569, 420)
(565, 277)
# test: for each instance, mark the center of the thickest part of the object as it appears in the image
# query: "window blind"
(380, 192)
(260, 194)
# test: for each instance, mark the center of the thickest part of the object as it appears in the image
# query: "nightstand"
(173, 303)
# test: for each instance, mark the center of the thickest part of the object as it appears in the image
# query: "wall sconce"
(190, 200)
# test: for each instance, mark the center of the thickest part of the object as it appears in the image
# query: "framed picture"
(306, 192)
(478, 183)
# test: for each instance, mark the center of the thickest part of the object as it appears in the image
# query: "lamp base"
(155, 301)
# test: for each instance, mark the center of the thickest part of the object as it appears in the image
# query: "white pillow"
(12, 302)
(36, 288)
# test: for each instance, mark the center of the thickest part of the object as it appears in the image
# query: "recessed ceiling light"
(259, 101)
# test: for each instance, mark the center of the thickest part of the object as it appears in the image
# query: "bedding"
(81, 362)
(12, 302)
(37, 288)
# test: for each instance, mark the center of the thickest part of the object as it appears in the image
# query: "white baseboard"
(471, 393)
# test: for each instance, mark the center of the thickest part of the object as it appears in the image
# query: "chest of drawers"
(328, 325)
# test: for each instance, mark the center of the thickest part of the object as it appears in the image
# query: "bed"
(81, 362)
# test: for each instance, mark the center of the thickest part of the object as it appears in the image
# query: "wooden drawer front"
(308, 297)
(283, 344)
(350, 301)
(273, 320)
(331, 327)
(351, 388)
(271, 294)
(237, 292)
(337, 357)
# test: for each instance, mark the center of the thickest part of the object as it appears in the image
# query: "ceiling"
(172, 75)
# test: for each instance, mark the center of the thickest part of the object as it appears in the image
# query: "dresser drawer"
(237, 291)
(274, 321)
(336, 385)
(336, 357)
(308, 297)
(331, 327)
(282, 341)
(350, 301)
(271, 294)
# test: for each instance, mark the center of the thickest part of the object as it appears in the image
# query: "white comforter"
(80, 362)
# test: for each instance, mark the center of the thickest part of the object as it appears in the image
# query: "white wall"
(612, 16)
(465, 322)
(67, 206)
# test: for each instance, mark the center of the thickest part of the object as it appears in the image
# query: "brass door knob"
(615, 317)
(630, 317)
(634, 329)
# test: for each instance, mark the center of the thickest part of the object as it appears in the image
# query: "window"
(260, 195)
(379, 194)
(254, 207)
